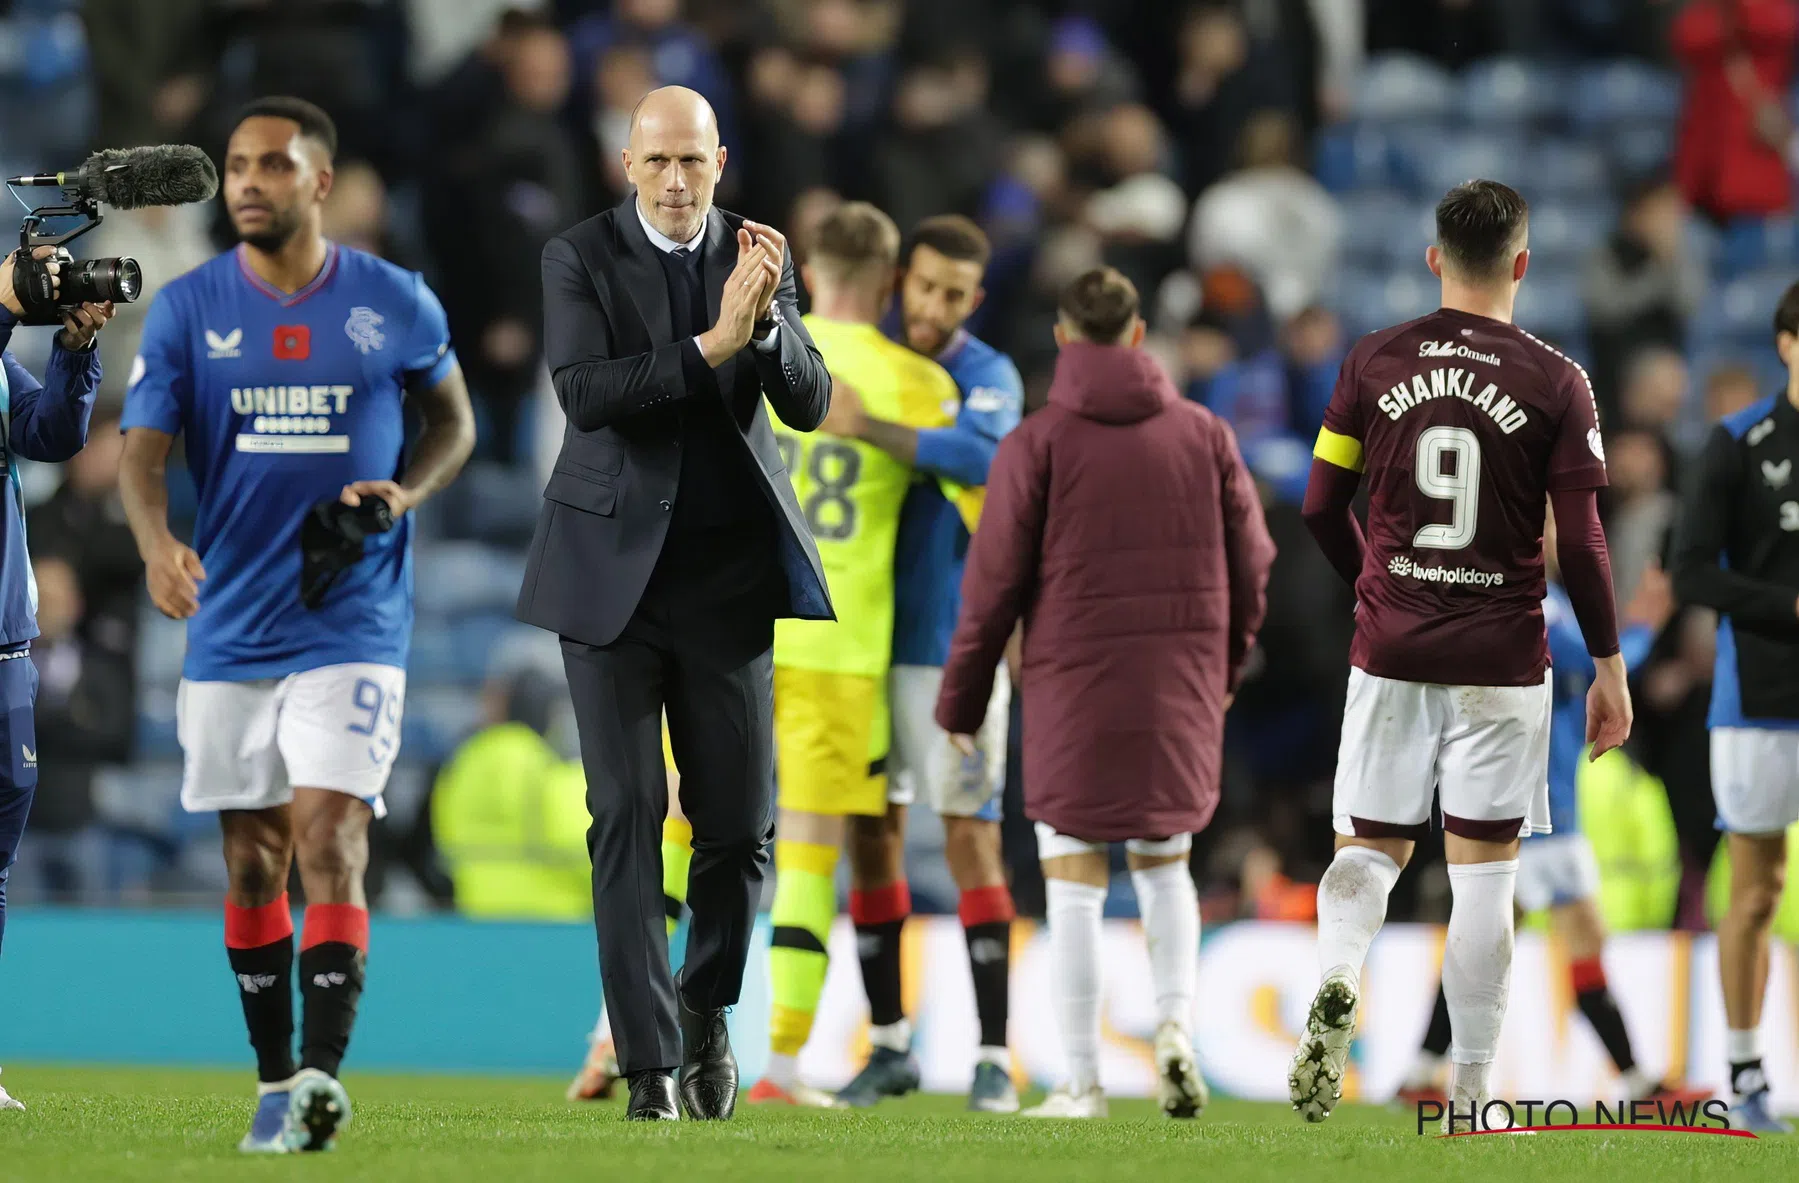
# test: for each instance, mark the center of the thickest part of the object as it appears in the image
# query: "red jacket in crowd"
(1738, 58)
(1123, 527)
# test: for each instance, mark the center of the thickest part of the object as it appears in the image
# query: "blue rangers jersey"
(933, 531)
(1572, 672)
(283, 400)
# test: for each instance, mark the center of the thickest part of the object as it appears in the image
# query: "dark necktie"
(686, 302)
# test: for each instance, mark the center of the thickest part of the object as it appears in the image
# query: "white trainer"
(1179, 1087)
(1063, 1103)
(1315, 1077)
(1456, 1118)
(7, 1101)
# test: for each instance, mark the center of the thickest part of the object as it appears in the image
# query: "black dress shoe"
(652, 1096)
(708, 1070)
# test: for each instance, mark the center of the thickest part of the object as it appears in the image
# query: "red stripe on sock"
(986, 905)
(252, 928)
(346, 924)
(881, 905)
(1587, 974)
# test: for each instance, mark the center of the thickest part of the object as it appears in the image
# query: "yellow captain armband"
(1342, 450)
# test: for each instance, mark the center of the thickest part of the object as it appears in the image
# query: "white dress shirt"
(667, 245)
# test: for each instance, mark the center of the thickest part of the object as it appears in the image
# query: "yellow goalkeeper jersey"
(851, 493)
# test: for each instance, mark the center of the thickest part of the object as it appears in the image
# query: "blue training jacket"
(37, 422)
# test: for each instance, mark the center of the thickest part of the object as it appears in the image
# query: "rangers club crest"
(364, 329)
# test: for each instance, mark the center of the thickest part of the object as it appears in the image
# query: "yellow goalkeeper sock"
(677, 859)
(805, 904)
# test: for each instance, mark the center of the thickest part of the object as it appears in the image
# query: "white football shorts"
(1556, 870)
(1755, 779)
(953, 784)
(1482, 750)
(1051, 843)
(247, 744)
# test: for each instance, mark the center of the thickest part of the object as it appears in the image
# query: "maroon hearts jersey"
(1463, 425)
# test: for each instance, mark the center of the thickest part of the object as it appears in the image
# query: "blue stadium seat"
(1410, 149)
(1758, 356)
(1565, 168)
(490, 503)
(1562, 234)
(1370, 300)
(1750, 244)
(1704, 241)
(1622, 92)
(1467, 155)
(1378, 224)
(1400, 87)
(436, 720)
(1740, 312)
(1354, 156)
(465, 577)
(161, 646)
(1550, 304)
(1508, 92)
(156, 739)
(1638, 149)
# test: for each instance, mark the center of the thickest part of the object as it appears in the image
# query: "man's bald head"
(675, 109)
(674, 159)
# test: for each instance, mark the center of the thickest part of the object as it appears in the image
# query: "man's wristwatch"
(762, 328)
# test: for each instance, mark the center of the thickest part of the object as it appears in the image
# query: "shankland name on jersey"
(1454, 383)
(284, 398)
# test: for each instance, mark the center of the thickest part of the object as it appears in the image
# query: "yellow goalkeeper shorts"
(831, 737)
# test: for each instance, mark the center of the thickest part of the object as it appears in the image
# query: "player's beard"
(932, 340)
(281, 228)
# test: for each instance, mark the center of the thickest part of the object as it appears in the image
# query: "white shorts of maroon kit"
(1482, 751)
(1051, 844)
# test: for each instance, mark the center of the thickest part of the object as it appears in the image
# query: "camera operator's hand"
(737, 308)
(174, 574)
(8, 296)
(81, 325)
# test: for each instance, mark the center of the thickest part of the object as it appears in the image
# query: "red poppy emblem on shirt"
(293, 342)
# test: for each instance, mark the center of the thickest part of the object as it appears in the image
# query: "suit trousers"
(721, 727)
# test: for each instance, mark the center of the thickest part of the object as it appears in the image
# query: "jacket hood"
(1110, 383)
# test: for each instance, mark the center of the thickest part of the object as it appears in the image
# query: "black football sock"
(1594, 997)
(332, 961)
(880, 917)
(1436, 1037)
(986, 914)
(1747, 1077)
(260, 944)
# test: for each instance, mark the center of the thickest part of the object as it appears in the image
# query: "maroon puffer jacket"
(1122, 526)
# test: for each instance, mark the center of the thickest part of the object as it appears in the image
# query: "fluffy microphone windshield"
(164, 174)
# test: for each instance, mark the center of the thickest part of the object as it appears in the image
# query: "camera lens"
(119, 280)
(130, 283)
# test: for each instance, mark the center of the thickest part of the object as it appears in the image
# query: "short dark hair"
(1479, 224)
(314, 123)
(1786, 313)
(1100, 303)
(952, 236)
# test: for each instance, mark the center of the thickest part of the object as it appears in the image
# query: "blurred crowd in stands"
(1262, 169)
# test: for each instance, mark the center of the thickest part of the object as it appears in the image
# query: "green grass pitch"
(162, 1124)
